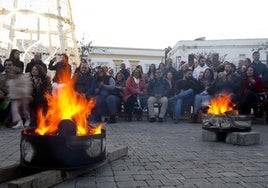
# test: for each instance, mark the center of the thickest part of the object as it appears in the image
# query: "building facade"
(232, 50)
(114, 56)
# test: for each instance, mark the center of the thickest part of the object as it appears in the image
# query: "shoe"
(160, 120)
(176, 121)
(152, 120)
(97, 118)
(129, 118)
(27, 123)
(111, 120)
(19, 125)
(194, 118)
(139, 117)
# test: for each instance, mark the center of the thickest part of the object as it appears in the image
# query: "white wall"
(233, 48)
(106, 55)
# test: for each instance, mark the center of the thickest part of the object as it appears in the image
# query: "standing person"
(251, 88)
(170, 68)
(63, 71)
(140, 68)
(151, 71)
(201, 67)
(15, 58)
(158, 90)
(184, 66)
(111, 71)
(5, 113)
(124, 70)
(2, 68)
(37, 60)
(41, 85)
(20, 94)
(162, 67)
(135, 87)
(258, 65)
(246, 61)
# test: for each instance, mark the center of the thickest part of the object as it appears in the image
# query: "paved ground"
(166, 155)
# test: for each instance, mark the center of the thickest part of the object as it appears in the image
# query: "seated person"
(228, 82)
(120, 84)
(251, 88)
(158, 90)
(105, 99)
(184, 90)
(202, 98)
(135, 87)
(84, 83)
(171, 82)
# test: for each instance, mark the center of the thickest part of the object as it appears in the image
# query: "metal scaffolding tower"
(31, 26)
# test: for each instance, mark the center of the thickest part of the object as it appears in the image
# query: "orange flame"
(220, 105)
(65, 103)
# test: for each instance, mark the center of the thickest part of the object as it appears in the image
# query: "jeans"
(105, 103)
(183, 96)
(201, 101)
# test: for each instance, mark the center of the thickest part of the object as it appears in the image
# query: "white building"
(232, 50)
(114, 56)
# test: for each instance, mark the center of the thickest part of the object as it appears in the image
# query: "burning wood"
(220, 105)
(66, 104)
(213, 121)
(221, 116)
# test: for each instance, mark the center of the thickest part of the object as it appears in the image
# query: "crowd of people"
(22, 92)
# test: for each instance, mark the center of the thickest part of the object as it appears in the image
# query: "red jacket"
(131, 88)
(257, 87)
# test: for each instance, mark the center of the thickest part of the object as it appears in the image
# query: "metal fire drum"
(61, 152)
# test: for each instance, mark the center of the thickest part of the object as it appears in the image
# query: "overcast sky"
(161, 23)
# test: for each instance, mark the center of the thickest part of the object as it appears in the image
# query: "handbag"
(4, 104)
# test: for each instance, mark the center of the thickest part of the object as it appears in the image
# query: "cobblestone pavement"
(166, 155)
